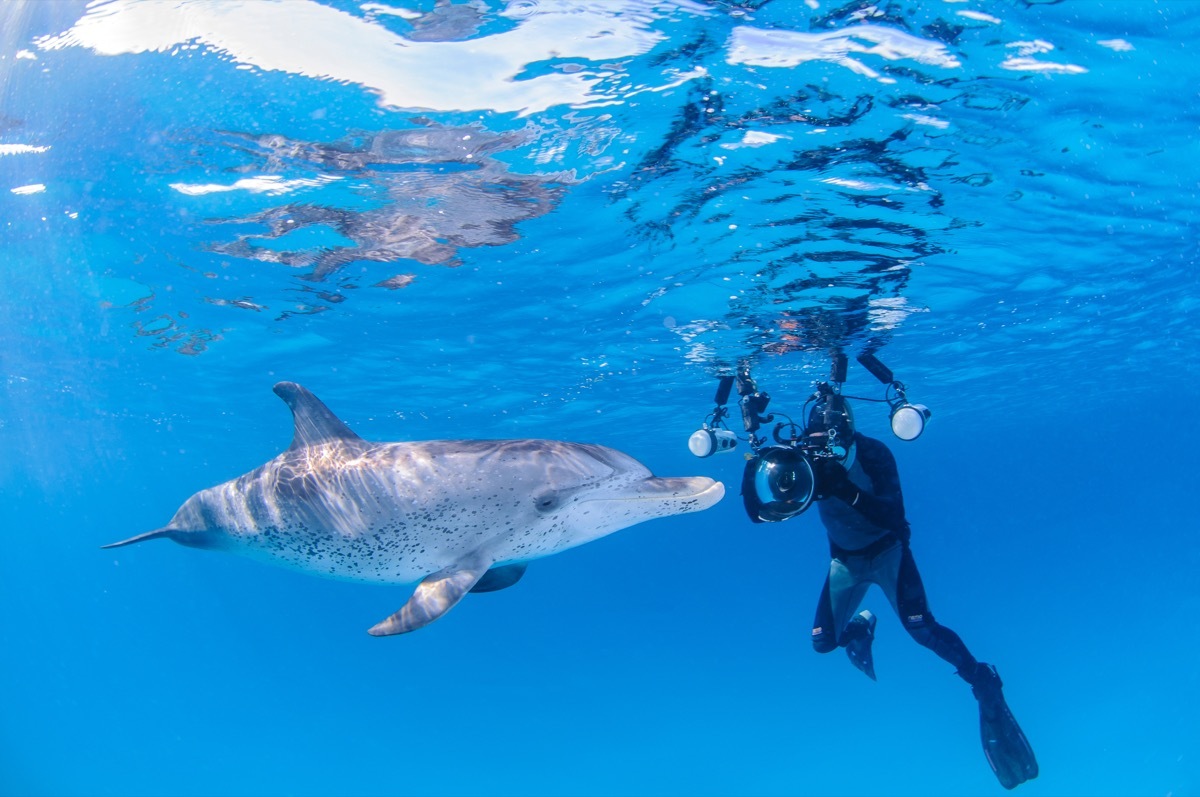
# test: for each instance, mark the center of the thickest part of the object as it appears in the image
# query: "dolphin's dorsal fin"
(315, 424)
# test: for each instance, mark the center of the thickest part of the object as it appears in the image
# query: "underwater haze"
(565, 219)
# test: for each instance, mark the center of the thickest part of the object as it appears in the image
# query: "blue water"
(562, 220)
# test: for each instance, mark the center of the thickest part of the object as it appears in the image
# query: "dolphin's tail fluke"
(165, 531)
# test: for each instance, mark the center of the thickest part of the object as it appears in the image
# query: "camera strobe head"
(908, 420)
(708, 441)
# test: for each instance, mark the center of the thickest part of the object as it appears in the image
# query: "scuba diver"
(854, 481)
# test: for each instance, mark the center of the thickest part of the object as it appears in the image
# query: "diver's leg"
(840, 596)
(847, 587)
(1008, 751)
(824, 637)
(834, 625)
(907, 595)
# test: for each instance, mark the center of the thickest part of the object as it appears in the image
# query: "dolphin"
(457, 516)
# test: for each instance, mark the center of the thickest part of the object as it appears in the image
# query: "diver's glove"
(833, 481)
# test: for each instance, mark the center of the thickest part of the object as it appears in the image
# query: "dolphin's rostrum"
(457, 515)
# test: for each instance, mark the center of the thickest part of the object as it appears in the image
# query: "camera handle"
(716, 418)
(754, 405)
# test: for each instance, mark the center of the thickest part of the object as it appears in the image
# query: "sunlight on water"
(712, 147)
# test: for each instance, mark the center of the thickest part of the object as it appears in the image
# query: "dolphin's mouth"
(699, 489)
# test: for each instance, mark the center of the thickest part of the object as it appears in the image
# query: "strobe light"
(706, 442)
(712, 437)
(908, 420)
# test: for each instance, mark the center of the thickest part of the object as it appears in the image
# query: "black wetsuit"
(868, 543)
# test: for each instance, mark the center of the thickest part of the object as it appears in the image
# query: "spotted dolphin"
(458, 516)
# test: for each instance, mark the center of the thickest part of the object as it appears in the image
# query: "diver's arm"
(884, 506)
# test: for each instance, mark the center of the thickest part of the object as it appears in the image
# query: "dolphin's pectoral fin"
(500, 577)
(433, 597)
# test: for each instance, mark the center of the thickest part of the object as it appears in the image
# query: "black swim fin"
(860, 633)
(1007, 750)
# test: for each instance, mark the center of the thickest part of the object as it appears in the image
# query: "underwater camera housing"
(782, 480)
(778, 484)
(782, 475)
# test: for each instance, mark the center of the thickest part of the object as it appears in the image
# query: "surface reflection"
(441, 190)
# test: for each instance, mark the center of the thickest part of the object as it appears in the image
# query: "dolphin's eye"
(547, 502)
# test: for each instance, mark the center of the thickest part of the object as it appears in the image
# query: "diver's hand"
(833, 481)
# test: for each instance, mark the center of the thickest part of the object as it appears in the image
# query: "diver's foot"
(1004, 744)
(986, 685)
(860, 633)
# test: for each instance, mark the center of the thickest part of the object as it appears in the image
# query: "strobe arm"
(877, 369)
